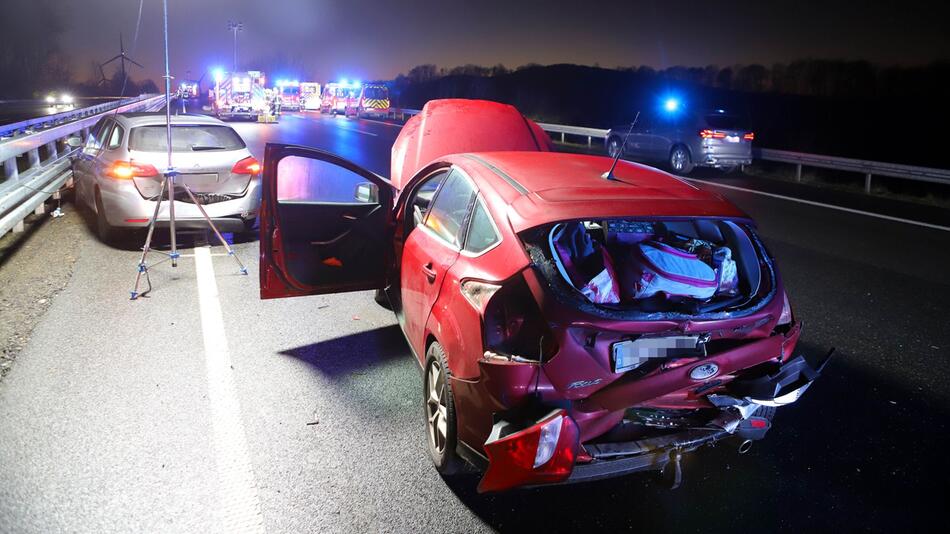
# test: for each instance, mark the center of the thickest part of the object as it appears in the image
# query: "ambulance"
(310, 95)
(373, 101)
(239, 95)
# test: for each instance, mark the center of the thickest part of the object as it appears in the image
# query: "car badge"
(584, 383)
(704, 371)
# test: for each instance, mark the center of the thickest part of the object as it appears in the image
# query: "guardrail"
(799, 159)
(46, 121)
(35, 164)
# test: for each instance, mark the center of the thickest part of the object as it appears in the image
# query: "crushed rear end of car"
(629, 342)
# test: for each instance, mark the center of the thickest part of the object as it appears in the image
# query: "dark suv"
(709, 139)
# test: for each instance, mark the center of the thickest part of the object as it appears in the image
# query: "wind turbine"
(122, 57)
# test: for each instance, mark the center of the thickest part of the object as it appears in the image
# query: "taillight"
(248, 165)
(124, 170)
(786, 316)
(749, 136)
(478, 293)
(511, 319)
(543, 453)
(712, 134)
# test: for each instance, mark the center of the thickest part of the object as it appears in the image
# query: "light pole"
(235, 27)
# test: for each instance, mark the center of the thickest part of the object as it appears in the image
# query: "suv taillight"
(248, 165)
(125, 170)
(749, 136)
(712, 134)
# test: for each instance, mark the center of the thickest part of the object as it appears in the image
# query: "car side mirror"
(74, 141)
(367, 192)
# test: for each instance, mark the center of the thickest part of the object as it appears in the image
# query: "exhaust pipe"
(745, 446)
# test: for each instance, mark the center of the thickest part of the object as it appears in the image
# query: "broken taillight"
(786, 316)
(543, 453)
(512, 321)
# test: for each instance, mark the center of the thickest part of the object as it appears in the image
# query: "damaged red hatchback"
(571, 324)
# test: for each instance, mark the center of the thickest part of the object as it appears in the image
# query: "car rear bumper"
(124, 206)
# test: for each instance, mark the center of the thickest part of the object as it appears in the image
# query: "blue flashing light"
(218, 75)
(344, 82)
(671, 105)
(356, 83)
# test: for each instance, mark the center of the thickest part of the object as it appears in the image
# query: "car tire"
(680, 161)
(381, 299)
(613, 146)
(439, 412)
(107, 232)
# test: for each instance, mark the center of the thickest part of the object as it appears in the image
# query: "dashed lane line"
(239, 507)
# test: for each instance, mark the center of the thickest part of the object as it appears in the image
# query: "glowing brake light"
(749, 136)
(124, 170)
(248, 165)
(712, 134)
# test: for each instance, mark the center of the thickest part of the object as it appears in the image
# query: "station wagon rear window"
(185, 138)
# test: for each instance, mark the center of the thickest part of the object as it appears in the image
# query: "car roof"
(544, 187)
(154, 118)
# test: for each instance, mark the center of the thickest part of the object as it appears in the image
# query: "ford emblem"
(704, 371)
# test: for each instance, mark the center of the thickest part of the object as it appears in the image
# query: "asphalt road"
(305, 414)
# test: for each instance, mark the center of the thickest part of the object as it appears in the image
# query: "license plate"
(732, 138)
(627, 355)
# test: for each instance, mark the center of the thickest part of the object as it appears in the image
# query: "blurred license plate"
(732, 138)
(631, 354)
(198, 180)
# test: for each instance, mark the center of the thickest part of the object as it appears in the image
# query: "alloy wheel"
(436, 406)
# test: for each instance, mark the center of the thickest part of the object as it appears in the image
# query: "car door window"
(421, 200)
(96, 137)
(115, 138)
(450, 208)
(482, 234)
(309, 181)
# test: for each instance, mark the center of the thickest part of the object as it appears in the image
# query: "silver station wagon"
(119, 171)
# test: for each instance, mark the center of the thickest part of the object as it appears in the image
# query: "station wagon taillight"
(712, 134)
(125, 170)
(750, 136)
(248, 165)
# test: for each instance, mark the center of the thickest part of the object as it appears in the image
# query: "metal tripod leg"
(204, 214)
(170, 176)
(143, 268)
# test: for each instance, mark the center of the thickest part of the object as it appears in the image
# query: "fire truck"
(373, 100)
(239, 95)
(289, 91)
(338, 97)
(309, 95)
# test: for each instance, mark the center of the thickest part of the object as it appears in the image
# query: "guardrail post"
(10, 172)
(51, 150)
(798, 172)
(588, 141)
(33, 157)
(867, 183)
(562, 137)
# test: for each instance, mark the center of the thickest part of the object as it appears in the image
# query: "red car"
(571, 323)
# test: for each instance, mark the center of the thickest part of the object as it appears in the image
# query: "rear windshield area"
(692, 267)
(719, 121)
(185, 138)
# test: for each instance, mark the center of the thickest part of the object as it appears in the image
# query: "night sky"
(366, 39)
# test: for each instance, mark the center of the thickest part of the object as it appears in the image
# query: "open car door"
(326, 224)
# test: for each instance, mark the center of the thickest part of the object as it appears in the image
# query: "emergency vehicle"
(188, 89)
(337, 97)
(310, 95)
(373, 100)
(239, 94)
(289, 94)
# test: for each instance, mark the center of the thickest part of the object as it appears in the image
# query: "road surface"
(203, 408)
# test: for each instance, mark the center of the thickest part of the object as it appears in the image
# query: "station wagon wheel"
(680, 160)
(440, 412)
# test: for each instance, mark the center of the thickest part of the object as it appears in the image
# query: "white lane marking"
(238, 506)
(823, 205)
(393, 124)
(357, 131)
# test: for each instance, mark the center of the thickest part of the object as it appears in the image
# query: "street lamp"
(235, 27)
